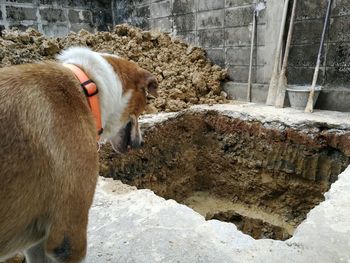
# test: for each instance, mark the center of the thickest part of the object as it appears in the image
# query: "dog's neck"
(110, 88)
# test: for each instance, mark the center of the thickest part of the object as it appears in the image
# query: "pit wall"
(54, 17)
(223, 28)
(282, 169)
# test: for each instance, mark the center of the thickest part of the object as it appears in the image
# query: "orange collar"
(91, 93)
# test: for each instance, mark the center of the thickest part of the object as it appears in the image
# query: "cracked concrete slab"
(131, 225)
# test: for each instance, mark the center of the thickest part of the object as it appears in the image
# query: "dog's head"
(136, 83)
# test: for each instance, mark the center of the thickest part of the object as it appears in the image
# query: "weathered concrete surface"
(56, 18)
(276, 162)
(331, 98)
(287, 116)
(138, 226)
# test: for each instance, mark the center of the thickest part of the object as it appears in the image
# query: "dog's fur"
(49, 159)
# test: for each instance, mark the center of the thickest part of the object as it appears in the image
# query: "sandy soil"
(185, 75)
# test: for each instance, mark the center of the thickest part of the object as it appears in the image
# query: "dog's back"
(48, 167)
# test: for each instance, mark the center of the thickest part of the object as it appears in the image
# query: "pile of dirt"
(185, 75)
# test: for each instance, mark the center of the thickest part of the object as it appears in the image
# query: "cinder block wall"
(223, 28)
(55, 17)
(335, 67)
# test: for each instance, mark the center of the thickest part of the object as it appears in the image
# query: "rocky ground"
(185, 75)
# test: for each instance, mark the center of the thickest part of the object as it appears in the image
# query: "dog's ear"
(152, 86)
(150, 83)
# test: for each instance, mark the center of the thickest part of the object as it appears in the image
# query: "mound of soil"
(185, 75)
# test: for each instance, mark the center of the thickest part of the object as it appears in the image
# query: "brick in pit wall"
(183, 6)
(240, 73)
(234, 3)
(141, 17)
(185, 22)
(161, 9)
(143, 12)
(307, 32)
(188, 37)
(53, 30)
(339, 29)
(123, 11)
(47, 2)
(141, 2)
(78, 3)
(102, 19)
(20, 13)
(338, 56)
(238, 16)
(217, 56)
(19, 1)
(238, 56)
(338, 77)
(341, 8)
(161, 24)
(311, 9)
(22, 27)
(52, 15)
(78, 27)
(80, 16)
(211, 38)
(303, 56)
(303, 75)
(102, 4)
(205, 5)
(140, 22)
(241, 36)
(210, 19)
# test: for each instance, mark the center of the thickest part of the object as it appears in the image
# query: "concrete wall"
(223, 28)
(55, 17)
(335, 69)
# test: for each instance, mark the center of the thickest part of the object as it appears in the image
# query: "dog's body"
(49, 159)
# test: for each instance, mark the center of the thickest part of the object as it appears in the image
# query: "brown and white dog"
(49, 159)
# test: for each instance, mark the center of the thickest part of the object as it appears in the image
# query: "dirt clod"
(185, 75)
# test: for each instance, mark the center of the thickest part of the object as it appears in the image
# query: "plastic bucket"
(298, 96)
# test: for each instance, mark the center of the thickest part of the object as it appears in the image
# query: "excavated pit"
(262, 176)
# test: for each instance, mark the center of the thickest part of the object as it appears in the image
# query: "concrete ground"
(129, 225)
